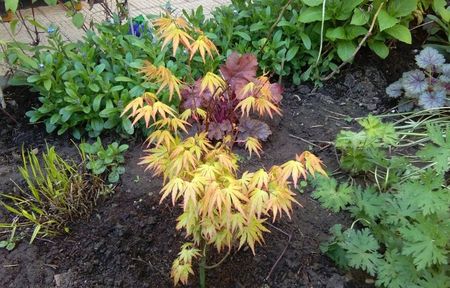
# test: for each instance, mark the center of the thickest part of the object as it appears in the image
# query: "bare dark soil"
(130, 240)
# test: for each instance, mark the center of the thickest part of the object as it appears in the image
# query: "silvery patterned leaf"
(429, 58)
(433, 99)
(395, 89)
(414, 82)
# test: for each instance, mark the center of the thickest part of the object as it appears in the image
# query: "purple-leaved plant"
(427, 87)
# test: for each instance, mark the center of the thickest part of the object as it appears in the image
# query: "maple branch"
(269, 34)
(218, 263)
(369, 33)
(282, 253)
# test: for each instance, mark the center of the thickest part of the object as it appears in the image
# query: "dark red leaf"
(253, 128)
(218, 130)
(191, 97)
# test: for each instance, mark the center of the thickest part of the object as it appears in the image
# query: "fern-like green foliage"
(402, 228)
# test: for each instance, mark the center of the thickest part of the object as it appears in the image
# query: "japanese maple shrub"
(192, 150)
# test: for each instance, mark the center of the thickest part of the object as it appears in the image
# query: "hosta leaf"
(345, 49)
(400, 32)
(402, 8)
(386, 21)
(360, 17)
(379, 48)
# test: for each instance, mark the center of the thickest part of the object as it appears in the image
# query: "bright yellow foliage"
(162, 76)
(203, 45)
(213, 82)
(220, 208)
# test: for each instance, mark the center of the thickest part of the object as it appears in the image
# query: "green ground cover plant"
(84, 86)
(306, 39)
(101, 160)
(401, 230)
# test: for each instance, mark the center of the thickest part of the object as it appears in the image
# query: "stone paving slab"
(56, 15)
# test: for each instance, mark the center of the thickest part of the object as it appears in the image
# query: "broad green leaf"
(402, 8)
(345, 49)
(360, 17)
(306, 40)
(47, 84)
(97, 101)
(385, 20)
(336, 33)
(257, 26)
(123, 79)
(353, 31)
(312, 3)
(441, 8)
(243, 35)
(11, 5)
(78, 20)
(127, 126)
(94, 87)
(13, 25)
(311, 14)
(379, 48)
(27, 59)
(33, 78)
(401, 33)
(291, 53)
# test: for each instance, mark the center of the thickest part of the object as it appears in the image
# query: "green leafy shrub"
(57, 191)
(426, 87)
(402, 210)
(109, 160)
(291, 46)
(85, 85)
(438, 26)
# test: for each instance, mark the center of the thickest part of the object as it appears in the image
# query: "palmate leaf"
(435, 279)
(396, 271)
(332, 196)
(376, 129)
(426, 193)
(252, 233)
(414, 82)
(361, 247)
(332, 247)
(426, 242)
(253, 145)
(213, 82)
(204, 46)
(368, 204)
(439, 152)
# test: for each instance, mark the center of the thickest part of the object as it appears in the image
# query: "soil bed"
(130, 240)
